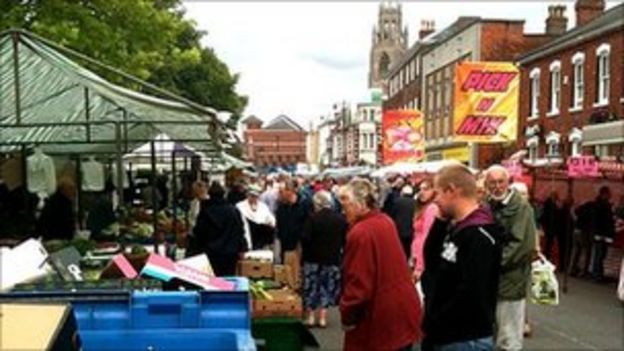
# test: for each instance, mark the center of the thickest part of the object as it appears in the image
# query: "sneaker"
(310, 322)
(323, 318)
(528, 330)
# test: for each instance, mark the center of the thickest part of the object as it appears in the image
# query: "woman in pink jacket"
(424, 217)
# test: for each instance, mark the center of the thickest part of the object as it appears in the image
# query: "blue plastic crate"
(159, 321)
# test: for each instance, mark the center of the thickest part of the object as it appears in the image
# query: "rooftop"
(608, 21)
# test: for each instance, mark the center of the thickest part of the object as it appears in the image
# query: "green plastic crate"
(281, 334)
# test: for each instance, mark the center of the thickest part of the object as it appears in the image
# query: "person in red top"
(379, 306)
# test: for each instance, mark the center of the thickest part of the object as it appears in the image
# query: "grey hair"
(498, 168)
(362, 191)
(322, 200)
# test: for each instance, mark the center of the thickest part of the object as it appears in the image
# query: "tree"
(150, 39)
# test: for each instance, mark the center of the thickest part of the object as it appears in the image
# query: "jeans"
(600, 253)
(483, 344)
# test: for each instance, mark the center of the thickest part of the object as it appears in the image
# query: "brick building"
(404, 78)
(281, 142)
(469, 39)
(355, 134)
(572, 90)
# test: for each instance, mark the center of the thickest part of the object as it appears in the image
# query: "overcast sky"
(298, 58)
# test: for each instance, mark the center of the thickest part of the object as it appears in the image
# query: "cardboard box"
(283, 275)
(199, 262)
(119, 267)
(24, 263)
(164, 269)
(255, 269)
(285, 303)
(67, 263)
(38, 327)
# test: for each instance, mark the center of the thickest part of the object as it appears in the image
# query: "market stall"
(62, 124)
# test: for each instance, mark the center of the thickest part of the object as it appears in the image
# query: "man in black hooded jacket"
(462, 261)
(219, 232)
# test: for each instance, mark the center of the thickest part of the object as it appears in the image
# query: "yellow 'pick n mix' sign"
(486, 102)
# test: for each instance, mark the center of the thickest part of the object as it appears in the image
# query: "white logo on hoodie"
(450, 252)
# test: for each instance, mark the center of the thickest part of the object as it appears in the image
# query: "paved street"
(589, 318)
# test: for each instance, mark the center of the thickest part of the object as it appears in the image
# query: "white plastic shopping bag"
(621, 284)
(544, 285)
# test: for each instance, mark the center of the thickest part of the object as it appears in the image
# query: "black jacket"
(603, 225)
(388, 204)
(219, 230)
(402, 214)
(460, 282)
(324, 237)
(290, 221)
(57, 220)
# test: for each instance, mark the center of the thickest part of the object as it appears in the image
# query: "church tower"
(389, 42)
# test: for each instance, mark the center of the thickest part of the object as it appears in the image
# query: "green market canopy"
(50, 100)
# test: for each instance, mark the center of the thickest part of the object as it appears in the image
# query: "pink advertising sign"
(582, 166)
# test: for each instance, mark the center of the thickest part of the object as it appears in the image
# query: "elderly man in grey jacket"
(515, 214)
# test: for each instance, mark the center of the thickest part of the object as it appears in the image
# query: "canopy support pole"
(125, 129)
(153, 190)
(87, 114)
(81, 214)
(26, 198)
(174, 194)
(16, 69)
(119, 163)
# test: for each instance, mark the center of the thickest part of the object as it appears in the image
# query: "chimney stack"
(557, 22)
(588, 10)
(426, 27)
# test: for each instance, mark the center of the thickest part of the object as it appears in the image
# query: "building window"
(576, 148)
(602, 78)
(552, 143)
(533, 145)
(601, 151)
(555, 87)
(553, 149)
(384, 64)
(428, 130)
(438, 128)
(578, 87)
(371, 137)
(535, 92)
(407, 75)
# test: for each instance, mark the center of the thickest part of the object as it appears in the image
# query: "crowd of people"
(441, 260)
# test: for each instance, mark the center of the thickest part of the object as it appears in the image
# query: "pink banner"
(582, 166)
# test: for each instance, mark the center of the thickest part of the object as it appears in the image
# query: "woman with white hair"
(322, 242)
(379, 305)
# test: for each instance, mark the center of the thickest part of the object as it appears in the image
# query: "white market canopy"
(346, 171)
(164, 149)
(50, 100)
(402, 168)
